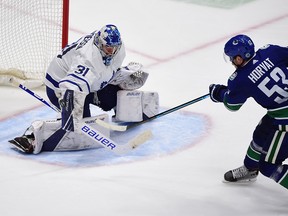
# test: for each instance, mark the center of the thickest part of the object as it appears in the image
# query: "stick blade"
(111, 126)
(135, 142)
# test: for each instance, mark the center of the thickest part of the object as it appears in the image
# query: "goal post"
(32, 32)
(65, 23)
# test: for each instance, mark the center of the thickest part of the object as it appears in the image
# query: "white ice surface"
(181, 44)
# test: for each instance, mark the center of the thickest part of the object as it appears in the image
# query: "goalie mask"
(108, 40)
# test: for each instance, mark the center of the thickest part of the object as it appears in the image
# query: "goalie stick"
(126, 127)
(93, 134)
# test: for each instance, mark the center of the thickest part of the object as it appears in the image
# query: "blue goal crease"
(171, 133)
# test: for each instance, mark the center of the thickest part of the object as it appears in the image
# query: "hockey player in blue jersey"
(263, 76)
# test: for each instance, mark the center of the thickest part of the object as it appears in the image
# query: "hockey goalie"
(89, 71)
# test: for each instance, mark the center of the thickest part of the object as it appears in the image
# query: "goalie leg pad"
(133, 106)
(50, 137)
(42, 130)
(150, 104)
(129, 106)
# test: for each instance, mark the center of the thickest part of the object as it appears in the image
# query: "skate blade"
(12, 141)
(17, 146)
(245, 181)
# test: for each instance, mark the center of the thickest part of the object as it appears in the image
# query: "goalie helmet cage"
(32, 32)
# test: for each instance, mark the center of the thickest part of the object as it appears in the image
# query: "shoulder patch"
(265, 46)
(233, 76)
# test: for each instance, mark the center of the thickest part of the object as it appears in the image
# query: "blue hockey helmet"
(239, 45)
(108, 40)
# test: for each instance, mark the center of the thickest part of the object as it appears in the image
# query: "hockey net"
(32, 32)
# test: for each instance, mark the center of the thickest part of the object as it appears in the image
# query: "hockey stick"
(38, 97)
(124, 128)
(95, 135)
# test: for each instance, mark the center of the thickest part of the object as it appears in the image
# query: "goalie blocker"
(135, 106)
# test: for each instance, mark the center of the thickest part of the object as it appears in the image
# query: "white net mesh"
(31, 35)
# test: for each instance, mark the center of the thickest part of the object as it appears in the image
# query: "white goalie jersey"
(80, 67)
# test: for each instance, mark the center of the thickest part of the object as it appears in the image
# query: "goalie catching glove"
(130, 77)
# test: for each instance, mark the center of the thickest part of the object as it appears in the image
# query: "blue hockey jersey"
(265, 79)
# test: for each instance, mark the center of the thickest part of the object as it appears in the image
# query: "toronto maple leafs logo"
(112, 36)
(103, 84)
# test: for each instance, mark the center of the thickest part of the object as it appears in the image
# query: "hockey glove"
(72, 105)
(130, 77)
(217, 92)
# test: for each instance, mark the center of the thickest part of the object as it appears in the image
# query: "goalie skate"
(23, 144)
(240, 174)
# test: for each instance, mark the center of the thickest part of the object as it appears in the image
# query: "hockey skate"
(241, 174)
(23, 143)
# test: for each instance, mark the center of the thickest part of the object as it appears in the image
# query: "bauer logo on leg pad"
(133, 93)
(102, 140)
